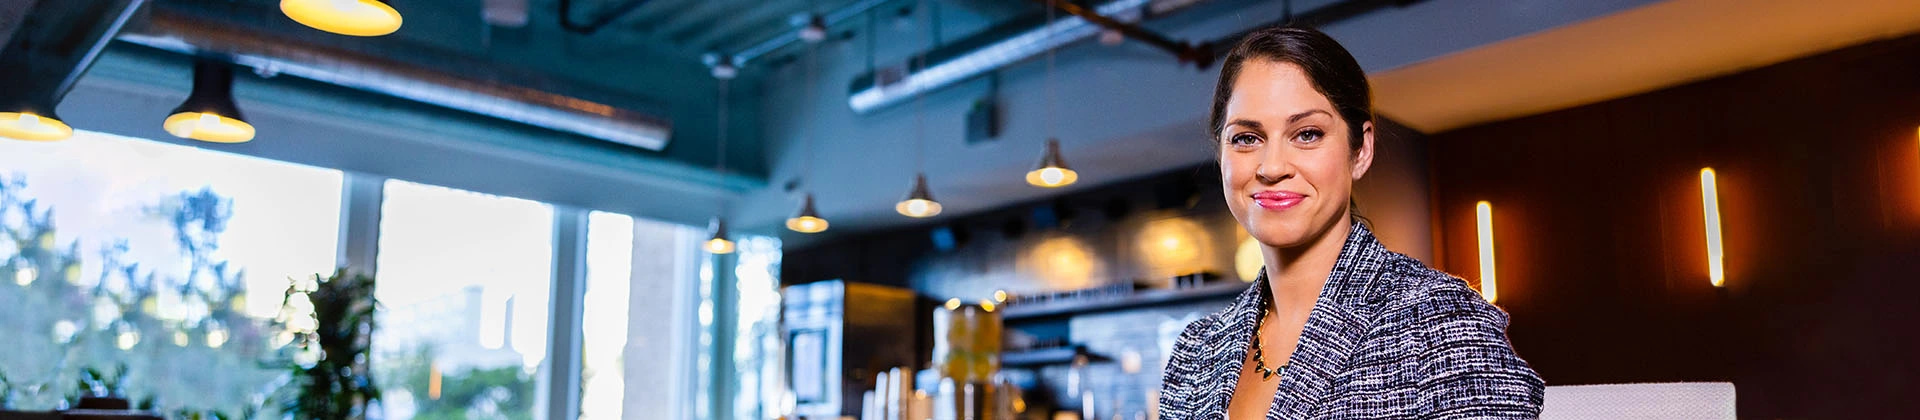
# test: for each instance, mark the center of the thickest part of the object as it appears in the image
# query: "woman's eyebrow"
(1296, 117)
(1250, 124)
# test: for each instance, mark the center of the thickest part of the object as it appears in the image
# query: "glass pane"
(758, 352)
(609, 268)
(167, 260)
(638, 318)
(464, 280)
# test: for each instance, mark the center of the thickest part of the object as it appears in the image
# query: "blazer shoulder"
(1428, 292)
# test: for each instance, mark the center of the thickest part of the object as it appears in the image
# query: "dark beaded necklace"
(1259, 355)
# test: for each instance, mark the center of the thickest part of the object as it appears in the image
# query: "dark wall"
(1601, 246)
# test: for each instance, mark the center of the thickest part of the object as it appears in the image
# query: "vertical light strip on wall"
(1488, 285)
(1710, 202)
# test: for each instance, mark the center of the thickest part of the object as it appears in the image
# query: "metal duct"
(892, 85)
(488, 96)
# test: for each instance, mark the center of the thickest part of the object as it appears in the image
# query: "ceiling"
(1627, 53)
(1435, 64)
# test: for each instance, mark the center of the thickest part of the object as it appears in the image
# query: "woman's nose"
(1275, 165)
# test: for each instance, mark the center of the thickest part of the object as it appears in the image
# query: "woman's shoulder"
(1421, 296)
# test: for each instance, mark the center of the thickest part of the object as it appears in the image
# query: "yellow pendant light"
(718, 244)
(29, 116)
(1052, 172)
(33, 126)
(344, 17)
(209, 113)
(808, 221)
(919, 203)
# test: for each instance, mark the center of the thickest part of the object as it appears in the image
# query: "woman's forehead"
(1266, 90)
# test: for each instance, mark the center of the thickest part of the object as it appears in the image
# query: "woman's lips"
(1277, 200)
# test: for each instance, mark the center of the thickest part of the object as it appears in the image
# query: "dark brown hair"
(1332, 71)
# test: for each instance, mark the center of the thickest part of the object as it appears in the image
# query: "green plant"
(331, 382)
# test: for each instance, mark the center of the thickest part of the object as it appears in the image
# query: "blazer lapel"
(1339, 320)
(1225, 361)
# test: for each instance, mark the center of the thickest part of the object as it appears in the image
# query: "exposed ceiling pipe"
(528, 100)
(55, 45)
(606, 18)
(968, 58)
(1200, 55)
(789, 37)
(972, 57)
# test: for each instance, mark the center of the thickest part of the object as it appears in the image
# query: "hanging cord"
(722, 159)
(919, 99)
(806, 141)
(1286, 12)
(1049, 75)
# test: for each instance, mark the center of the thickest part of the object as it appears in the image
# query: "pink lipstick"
(1278, 200)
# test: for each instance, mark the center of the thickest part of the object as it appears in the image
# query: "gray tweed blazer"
(1389, 338)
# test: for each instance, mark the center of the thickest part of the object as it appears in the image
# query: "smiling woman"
(1335, 325)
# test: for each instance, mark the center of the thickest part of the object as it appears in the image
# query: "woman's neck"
(1296, 275)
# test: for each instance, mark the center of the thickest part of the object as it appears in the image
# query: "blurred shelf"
(1028, 312)
(1046, 357)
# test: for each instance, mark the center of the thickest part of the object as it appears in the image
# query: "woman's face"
(1286, 164)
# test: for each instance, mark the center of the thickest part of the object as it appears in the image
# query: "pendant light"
(33, 122)
(808, 220)
(344, 17)
(26, 109)
(718, 243)
(1052, 172)
(919, 202)
(209, 113)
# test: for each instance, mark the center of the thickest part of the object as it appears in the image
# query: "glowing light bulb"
(127, 339)
(216, 337)
(719, 246)
(999, 296)
(953, 304)
(1489, 285)
(344, 17)
(33, 127)
(25, 276)
(1710, 204)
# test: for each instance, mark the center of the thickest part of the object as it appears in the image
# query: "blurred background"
(911, 209)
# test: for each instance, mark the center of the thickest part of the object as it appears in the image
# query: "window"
(758, 350)
(167, 260)
(640, 295)
(464, 283)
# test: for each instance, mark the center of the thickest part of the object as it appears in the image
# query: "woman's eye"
(1243, 139)
(1309, 136)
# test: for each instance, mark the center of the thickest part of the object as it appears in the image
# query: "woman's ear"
(1363, 157)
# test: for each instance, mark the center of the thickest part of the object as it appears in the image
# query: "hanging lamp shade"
(808, 221)
(919, 203)
(719, 244)
(1052, 172)
(345, 17)
(209, 113)
(32, 120)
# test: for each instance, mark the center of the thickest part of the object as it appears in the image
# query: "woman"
(1337, 326)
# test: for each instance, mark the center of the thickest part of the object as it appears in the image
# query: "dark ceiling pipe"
(598, 23)
(786, 38)
(1199, 55)
(483, 88)
(56, 43)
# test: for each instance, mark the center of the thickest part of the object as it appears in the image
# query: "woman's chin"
(1282, 237)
